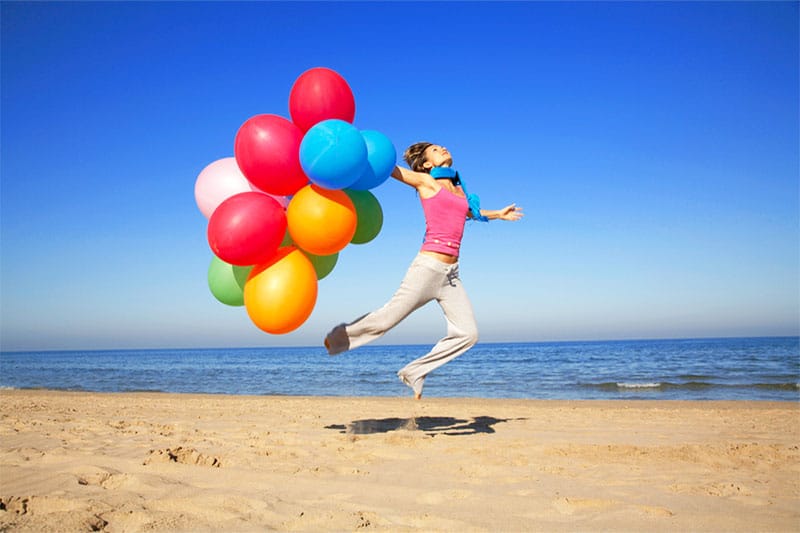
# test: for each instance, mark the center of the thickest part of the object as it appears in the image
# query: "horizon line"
(256, 347)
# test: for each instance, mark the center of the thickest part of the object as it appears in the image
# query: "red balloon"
(246, 228)
(320, 94)
(267, 150)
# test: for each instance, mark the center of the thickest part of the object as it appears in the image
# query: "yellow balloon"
(280, 295)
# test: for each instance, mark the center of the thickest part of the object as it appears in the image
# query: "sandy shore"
(166, 462)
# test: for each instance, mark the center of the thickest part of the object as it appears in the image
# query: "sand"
(168, 462)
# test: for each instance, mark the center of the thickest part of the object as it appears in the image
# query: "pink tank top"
(445, 216)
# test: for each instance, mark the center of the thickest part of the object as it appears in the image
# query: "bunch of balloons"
(295, 194)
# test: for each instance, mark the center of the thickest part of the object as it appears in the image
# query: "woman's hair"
(415, 156)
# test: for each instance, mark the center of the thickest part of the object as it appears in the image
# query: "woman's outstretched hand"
(510, 212)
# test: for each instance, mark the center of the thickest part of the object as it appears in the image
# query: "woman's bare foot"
(415, 386)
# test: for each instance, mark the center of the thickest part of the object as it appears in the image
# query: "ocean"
(684, 369)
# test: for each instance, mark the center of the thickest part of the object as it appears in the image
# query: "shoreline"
(134, 461)
(632, 400)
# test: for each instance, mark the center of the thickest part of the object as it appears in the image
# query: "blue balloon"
(382, 159)
(333, 154)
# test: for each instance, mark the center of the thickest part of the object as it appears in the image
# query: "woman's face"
(437, 156)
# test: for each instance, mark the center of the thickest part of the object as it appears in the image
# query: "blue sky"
(653, 146)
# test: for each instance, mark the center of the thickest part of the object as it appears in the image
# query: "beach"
(76, 461)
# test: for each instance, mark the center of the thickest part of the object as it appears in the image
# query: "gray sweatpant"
(427, 279)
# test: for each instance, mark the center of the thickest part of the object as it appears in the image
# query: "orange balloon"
(280, 295)
(321, 221)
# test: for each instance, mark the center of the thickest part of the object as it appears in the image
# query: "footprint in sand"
(40, 505)
(437, 498)
(655, 511)
(14, 504)
(69, 514)
(571, 506)
(722, 490)
(106, 480)
(188, 456)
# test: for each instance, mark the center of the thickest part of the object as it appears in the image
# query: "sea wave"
(654, 385)
(688, 386)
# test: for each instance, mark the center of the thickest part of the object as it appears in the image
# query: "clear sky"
(653, 146)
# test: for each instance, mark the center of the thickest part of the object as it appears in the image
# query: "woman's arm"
(419, 180)
(509, 212)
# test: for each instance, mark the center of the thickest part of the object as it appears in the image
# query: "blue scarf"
(473, 200)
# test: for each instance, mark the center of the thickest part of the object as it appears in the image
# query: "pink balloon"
(219, 181)
(283, 200)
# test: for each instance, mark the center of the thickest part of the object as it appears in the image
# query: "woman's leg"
(419, 286)
(462, 333)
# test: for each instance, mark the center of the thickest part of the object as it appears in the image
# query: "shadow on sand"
(432, 425)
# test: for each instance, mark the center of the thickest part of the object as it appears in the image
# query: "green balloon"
(226, 281)
(287, 239)
(369, 213)
(323, 264)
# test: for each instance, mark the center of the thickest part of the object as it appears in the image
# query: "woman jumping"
(433, 275)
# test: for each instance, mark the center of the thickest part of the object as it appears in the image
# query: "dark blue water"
(691, 369)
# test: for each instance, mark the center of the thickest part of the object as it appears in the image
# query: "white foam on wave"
(653, 385)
